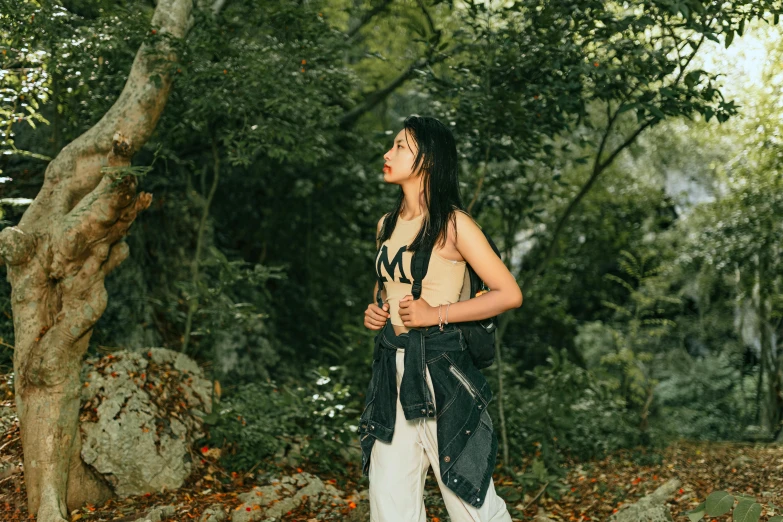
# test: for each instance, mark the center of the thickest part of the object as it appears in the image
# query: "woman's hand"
(375, 316)
(417, 312)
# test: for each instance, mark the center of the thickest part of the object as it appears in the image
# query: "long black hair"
(437, 159)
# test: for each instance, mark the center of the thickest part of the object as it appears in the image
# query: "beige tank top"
(444, 280)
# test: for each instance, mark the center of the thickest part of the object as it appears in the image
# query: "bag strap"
(378, 297)
(497, 252)
(419, 265)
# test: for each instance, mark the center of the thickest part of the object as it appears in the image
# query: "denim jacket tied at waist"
(467, 443)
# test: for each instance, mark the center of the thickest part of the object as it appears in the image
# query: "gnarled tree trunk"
(66, 243)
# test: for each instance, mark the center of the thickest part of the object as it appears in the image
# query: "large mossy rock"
(141, 413)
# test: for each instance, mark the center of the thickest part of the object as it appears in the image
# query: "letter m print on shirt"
(383, 259)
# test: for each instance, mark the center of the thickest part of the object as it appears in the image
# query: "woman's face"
(398, 162)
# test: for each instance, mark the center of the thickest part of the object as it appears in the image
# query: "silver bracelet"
(447, 313)
(440, 320)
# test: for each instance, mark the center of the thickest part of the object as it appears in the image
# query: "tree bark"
(57, 257)
(768, 394)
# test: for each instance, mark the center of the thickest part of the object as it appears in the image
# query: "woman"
(426, 403)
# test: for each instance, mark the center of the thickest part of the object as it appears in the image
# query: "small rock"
(280, 497)
(542, 516)
(7, 417)
(650, 508)
(158, 514)
(361, 513)
(213, 513)
(273, 501)
(741, 461)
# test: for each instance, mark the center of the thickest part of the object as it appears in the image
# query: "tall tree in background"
(57, 258)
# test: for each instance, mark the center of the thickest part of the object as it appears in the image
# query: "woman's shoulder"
(464, 219)
(462, 226)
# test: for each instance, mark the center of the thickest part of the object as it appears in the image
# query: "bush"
(705, 398)
(300, 424)
(569, 412)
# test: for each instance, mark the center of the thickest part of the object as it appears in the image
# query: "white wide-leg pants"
(397, 472)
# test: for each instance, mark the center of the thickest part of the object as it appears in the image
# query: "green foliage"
(643, 318)
(6, 329)
(624, 353)
(568, 411)
(310, 423)
(231, 322)
(539, 476)
(720, 503)
(24, 79)
(705, 398)
(266, 82)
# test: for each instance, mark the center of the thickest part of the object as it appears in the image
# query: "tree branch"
(598, 168)
(100, 219)
(367, 16)
(16, 247)
(77, 169)
(626, 143)
(373, 99)
(217, 6)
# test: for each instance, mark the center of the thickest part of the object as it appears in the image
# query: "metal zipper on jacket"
(463, 380)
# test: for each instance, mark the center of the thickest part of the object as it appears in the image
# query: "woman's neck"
(410, 218)
(411, 210)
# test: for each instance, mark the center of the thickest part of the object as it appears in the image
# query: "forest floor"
(590, 491)
(585, 491)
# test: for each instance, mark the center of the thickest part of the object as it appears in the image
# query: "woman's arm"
(474, 247)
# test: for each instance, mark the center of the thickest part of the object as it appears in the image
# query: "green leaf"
(747, 511)
(719, 503)
(776, 518)
(655, 111)
(729, 37)
(627, 107)
(692, 78)
(697, 513)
